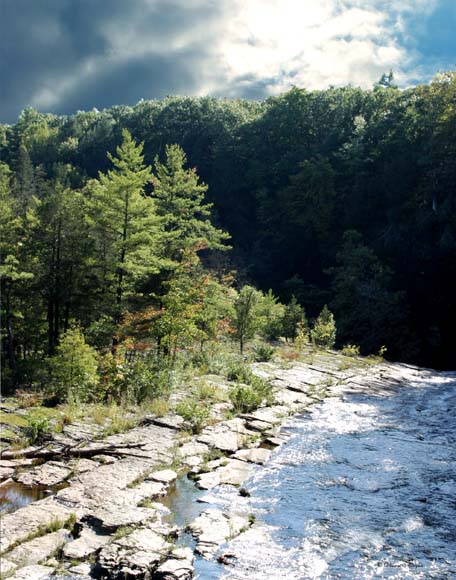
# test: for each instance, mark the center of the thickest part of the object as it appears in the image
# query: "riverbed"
(365, 488)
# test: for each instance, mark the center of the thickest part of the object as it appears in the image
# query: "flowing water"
(365, 488)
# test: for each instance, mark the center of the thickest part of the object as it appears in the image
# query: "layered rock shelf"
(106, 521)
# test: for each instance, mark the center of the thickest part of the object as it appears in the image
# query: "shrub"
(350, 350)
(73, 368)
(324, 330)
(252, 391)
(196, 413)
(245, 398)
(263, 352)
(38, 429)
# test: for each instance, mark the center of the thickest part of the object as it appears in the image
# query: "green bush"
(263, 352)
(252, 391)
(350, 350)
(38, 428)
(324, 330)
(196, 413)
(73, 369)
(245, 398)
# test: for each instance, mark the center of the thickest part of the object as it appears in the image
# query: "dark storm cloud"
(63, 55)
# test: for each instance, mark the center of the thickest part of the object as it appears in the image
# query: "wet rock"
(133, 556)
(48, 474)
(213, 527)
(259, 455)
(17, 526)
(228, 436)
(39, 549)
(178, 567)
(33, 573)
(87, 544)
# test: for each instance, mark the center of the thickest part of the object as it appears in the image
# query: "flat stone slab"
(178, 567)
(213, 527)
(272, 415)
(175, 422)
(48, 474)
(81, 569)
(111, 517)
(39, 549)
(258, 455)
(165, 476)
(133, 556)
(228, 436)
(193, 448)
(235, 472)
(33, 573)
(87, 544)
(17, 526)
(6, 472)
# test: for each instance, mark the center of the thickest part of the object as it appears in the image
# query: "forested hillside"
(343, 197)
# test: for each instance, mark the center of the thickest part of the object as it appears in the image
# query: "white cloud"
(317, 43)
(273, 44)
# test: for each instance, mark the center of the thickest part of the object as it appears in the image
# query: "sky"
(61, 56)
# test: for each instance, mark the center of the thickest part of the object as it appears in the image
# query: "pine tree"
(14, 271)
(180, 203)
(293, 316)
(324, 331)
(74, 367)
(125, 226)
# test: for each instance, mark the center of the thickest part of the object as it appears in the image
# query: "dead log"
(70, 451)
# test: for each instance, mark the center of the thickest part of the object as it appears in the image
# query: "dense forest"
(343, 197)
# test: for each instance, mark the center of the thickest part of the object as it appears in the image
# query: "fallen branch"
(69, 451)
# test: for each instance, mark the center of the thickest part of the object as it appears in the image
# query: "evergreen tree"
(293, 316)
(14, 271)
(180, 204)
(323, 332)
(74, 368)
(124, 225)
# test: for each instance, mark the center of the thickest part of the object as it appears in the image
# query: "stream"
(365, 488)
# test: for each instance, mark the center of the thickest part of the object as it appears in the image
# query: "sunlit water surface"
(364, 489)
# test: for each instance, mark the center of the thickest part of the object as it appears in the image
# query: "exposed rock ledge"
(119, 528)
